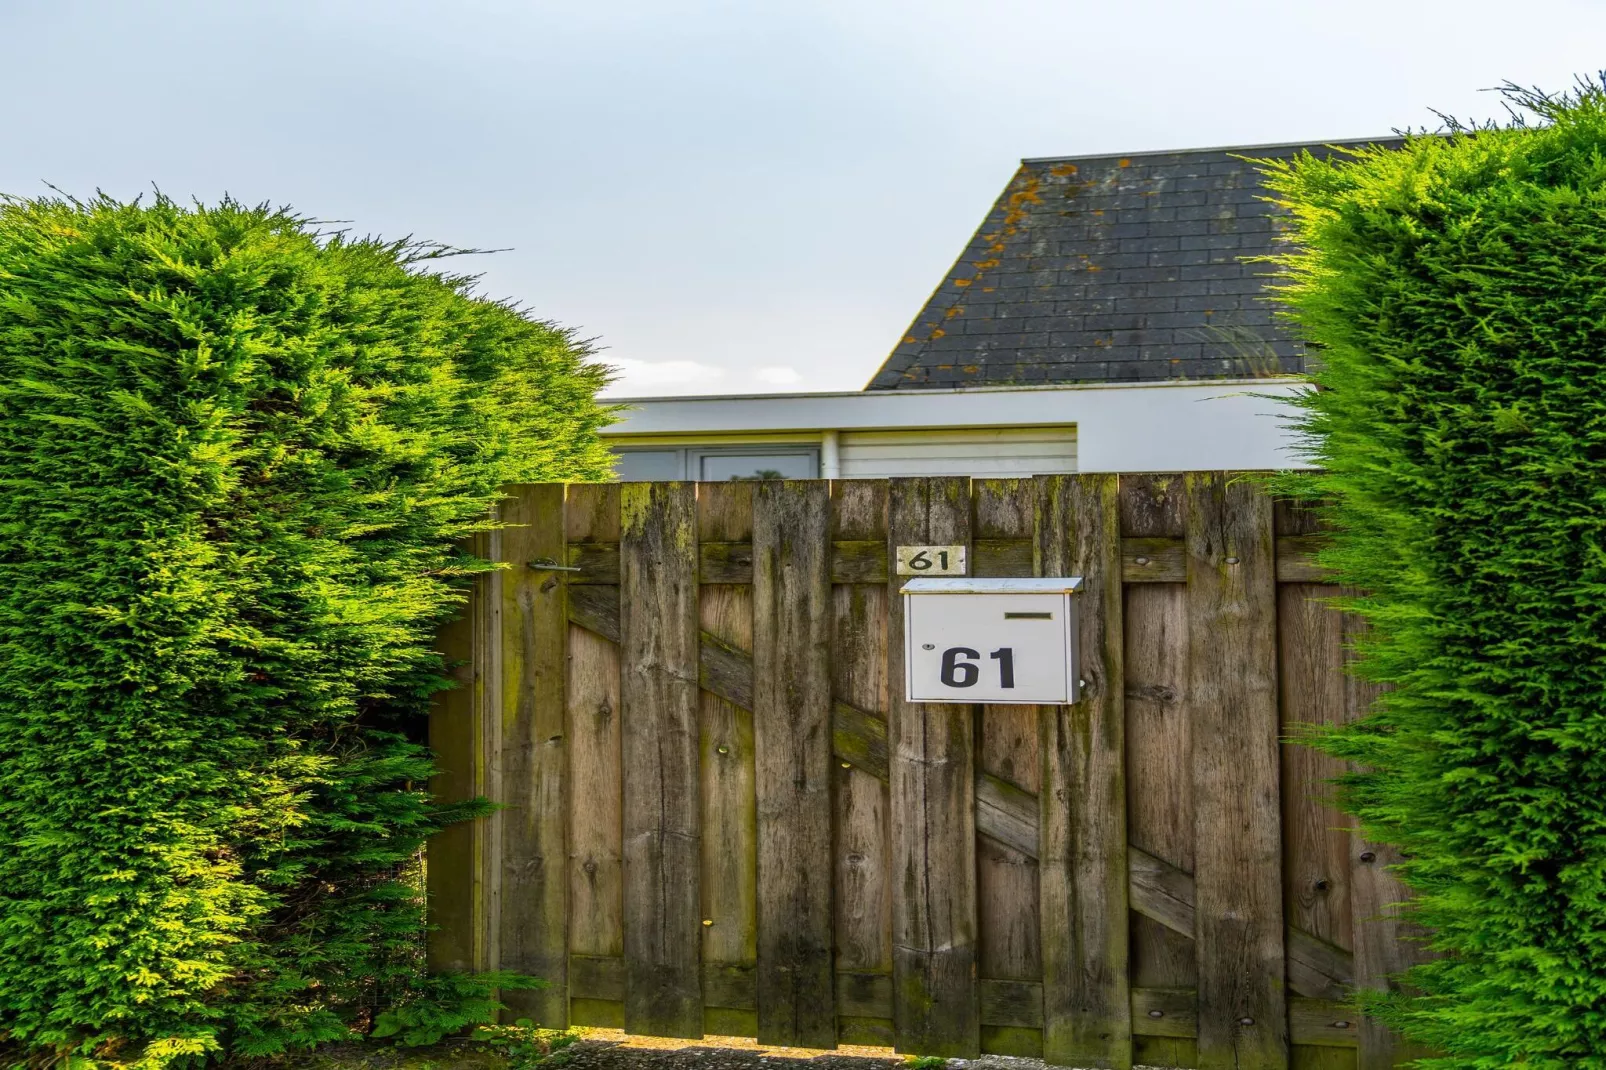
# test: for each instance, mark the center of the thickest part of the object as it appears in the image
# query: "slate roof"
(1110, 269)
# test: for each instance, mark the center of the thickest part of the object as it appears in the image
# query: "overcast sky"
(730, 197)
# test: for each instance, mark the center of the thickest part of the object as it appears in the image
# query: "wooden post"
(658, 699)
(1087, 1016)
(1386, 943)
(729, 799)
(596, 797)
(455, 916)
(534, 903)
(792, 745)
(1008, 888)
(935, 995)
(1232, 640)
(863, 837)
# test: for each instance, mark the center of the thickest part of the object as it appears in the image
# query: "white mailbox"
(990, 640)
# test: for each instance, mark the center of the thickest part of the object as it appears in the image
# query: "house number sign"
(931, 561)
(991, 640)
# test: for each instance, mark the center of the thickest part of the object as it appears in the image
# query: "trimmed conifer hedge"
(1457, 291)
(235, 458)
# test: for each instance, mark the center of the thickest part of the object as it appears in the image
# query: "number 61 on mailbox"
(991, 640)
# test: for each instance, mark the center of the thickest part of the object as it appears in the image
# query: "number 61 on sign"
(991, 640)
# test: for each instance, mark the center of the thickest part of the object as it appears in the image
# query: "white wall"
(1150, 427)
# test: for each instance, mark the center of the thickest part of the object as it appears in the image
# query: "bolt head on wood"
(1368, 856)
(1246, 1020)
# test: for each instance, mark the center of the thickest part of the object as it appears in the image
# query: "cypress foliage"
(235, 458)
(1457, 291)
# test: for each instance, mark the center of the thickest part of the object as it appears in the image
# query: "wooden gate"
(722, 818)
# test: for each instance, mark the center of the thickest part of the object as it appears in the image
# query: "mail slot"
(969, 639)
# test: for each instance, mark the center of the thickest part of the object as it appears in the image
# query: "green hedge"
(235, 456)
(1457, 291)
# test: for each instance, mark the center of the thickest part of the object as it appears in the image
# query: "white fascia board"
(1129, 427)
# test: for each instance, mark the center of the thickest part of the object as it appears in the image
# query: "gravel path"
(598, 1053)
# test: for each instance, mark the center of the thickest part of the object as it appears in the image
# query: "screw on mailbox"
(928, 646)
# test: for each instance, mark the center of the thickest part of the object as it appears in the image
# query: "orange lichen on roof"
(1062, 170)
(1124, 162)
(1026, 194)
(963, 282)
(957, 310)
(909, 339)
(988, 289)
(986, 265)
(937, 332)
(971, 369)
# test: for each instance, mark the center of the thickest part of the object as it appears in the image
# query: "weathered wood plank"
(1158, 729)
(1144, 559)
(597, 977)
(533, 920)
(1161, 559)
(1296, 559)
(1019, 1041)
(1161, 892)
(863, 839)
(596, 609)
(1322, 1022)
(488, 682)
(859, 740)
(859, 561)
(729, 818)
(1232, 659)
(1007, 815)
(1385, 941)
(864, 994)
(1315, 834)
(1001, 557)
(1165, 894)
(863, 845)
(1087, 1007)
(1316, 968)
(725, 669)
(730, 987)
(1011, 1003)
(1165, 1012)
(792, 739)
(1007, 913)
(724, 562)
(454, 737)
(933, 812)
(596, 889)
(659, 715)
(1153, 505)
(728, 561)
(596, 762)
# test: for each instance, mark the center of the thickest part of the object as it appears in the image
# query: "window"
(641, 466)
(717, 464)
